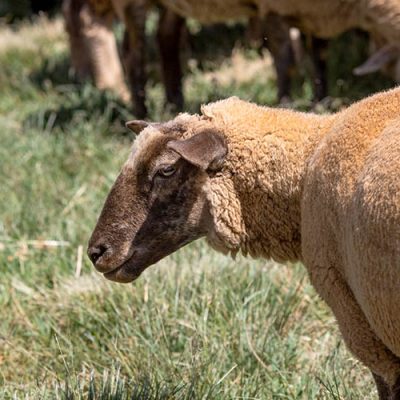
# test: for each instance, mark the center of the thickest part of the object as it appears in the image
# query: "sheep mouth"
(132, 268)
(127, 272)
(141, 259)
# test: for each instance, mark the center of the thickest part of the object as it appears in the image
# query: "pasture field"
(196, 326)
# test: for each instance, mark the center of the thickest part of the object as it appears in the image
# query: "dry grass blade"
(79, 257)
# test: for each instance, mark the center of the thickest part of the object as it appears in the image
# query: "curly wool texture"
(255, 198)
(321, 189)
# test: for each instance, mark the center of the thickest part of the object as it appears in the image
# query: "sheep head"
(158, 202)
(386, 58)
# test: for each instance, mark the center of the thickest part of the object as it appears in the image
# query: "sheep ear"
(206, 150)
(137, 125)
(378, 60)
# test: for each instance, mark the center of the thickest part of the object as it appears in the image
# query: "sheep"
(93, 47)
(280, 184)
(379, 17)
(97, 55)
(327, 19)
(386, 58)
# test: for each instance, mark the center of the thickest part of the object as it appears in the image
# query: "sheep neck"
(256, 199)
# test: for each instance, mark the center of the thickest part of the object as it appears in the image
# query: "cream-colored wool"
(324, 19)
(354, 256)
(321, 189)
(94, 50)
(327, 18)
(269, 147)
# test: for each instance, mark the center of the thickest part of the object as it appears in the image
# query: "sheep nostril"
(96, 252)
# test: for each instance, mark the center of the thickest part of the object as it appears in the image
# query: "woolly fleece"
(324, 190)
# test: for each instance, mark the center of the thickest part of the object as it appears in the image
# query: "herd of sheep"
(94, 50)
(269, 183)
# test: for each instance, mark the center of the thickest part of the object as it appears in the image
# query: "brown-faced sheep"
(266, 182)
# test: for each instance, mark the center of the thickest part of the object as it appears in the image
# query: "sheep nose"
(96, 252)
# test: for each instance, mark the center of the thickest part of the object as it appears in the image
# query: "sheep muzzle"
(156, 205)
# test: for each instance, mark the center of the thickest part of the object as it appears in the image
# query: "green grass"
(196, 326)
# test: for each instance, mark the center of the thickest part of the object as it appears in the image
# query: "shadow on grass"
(53, 72)
(75, 102)
(209, 45)
(79, 104)
(346, 52)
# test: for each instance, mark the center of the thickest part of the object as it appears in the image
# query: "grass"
(196, 326)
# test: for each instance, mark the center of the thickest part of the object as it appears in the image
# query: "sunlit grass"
(197, 325)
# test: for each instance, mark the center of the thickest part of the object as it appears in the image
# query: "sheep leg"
(103, 51)
(384, 391)
(395, 395)
(382, 387)
(134, 53)
(97, 49)
(169, 34)
(278, 42)
(355, 329)
(79, 57)
(319, 58)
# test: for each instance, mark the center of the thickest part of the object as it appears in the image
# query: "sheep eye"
(167, 171)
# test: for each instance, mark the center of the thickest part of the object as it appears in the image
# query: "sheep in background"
(94, 50)
(384, 57)
(273, 183)
(324, 20)
(381, 18)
